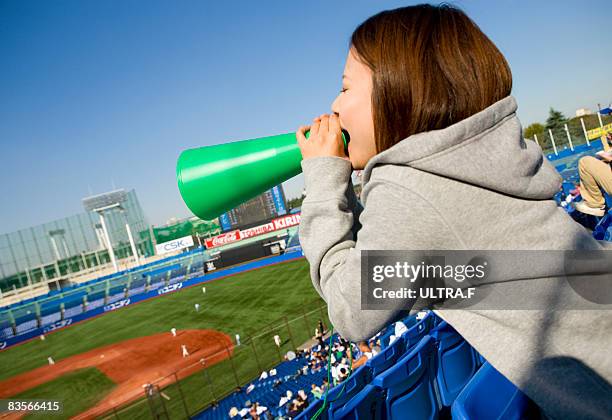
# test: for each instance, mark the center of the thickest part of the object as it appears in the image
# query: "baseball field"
(99, 366)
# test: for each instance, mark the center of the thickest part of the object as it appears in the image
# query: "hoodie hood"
(486, 149)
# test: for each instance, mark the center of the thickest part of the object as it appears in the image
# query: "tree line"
(556, 123)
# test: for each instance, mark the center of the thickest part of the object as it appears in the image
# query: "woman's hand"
(325, 138)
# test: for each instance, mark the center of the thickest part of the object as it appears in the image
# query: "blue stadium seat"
(479, 357)
(410, 320)
(418, 331)
(409, 385)
(366, 405)
(384, 337)
(456, 362)
(489, 395)
(312, 410)
(344, 391)
(386, 358)
(603, 230)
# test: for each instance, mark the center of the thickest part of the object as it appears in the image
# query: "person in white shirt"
(366, 354)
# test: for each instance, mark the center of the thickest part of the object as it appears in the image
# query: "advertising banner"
(175, 245)
(223, 239)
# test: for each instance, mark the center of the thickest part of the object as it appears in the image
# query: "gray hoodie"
(476, 185)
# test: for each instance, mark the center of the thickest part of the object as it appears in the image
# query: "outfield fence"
(562, 139)
(204, 383)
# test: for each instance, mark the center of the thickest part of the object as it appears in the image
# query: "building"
(265, 206)
(65, 247)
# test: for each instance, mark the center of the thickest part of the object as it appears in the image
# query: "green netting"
(186, 228)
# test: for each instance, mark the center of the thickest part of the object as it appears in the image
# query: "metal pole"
(569, 138)
(55, 249)
(131, 238)
(29, 279)
(209, 380)
(585, 132)
(149, 396)
(10, 247)
(161, 398)
(256, 358)
(65, 246)
(44, 274)
(231, 358)
(535, 136)
(35, 240)
(552, 138)
(108, 242)
(178, 384)
(132, 244)
(290, 335)
(99, 236)
(599, 117)
(306, 321)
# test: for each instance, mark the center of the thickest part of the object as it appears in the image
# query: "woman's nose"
(335, 108)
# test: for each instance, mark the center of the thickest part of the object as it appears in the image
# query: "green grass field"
(248, 304)
(77, 390)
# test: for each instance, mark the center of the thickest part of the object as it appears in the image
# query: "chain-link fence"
(192, 389)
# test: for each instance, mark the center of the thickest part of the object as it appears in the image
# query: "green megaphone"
(215, 179)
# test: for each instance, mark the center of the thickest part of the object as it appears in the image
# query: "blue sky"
(101, 93)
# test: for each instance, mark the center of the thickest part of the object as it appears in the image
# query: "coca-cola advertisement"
(223, 239)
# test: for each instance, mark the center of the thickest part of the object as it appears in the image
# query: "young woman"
(426, 101)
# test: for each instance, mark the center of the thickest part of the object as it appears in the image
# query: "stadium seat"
(418, 331)
(480, 359)
(385, 336)
(489, 395)
(312, 410)
(410, 320)
(456, 362)
(366, 405)
(344, 391)
(386, 358)
(603, 230)
(409, 385)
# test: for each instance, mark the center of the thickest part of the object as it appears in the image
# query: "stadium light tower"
(109, 245)
(130, 237)
(102, 203)
(52, 235)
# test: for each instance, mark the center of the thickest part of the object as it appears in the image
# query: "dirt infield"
(132, 363)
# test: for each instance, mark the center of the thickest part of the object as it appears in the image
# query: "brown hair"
(431, 67)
